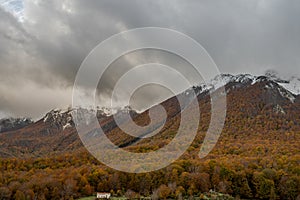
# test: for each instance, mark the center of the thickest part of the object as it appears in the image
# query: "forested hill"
(257, 155)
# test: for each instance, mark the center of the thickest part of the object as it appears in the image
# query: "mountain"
(10, 124)
(53, 134)
(256, 157)
(292, 85)
(261, 103)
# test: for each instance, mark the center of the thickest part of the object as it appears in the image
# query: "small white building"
(101, 195)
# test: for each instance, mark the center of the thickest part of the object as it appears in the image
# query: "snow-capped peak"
(8, 124)
(293, 85)
(62, 118)
(287, 88)
(223, 79)
(220, 81)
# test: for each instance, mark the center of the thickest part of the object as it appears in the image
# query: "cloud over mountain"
(39, 57)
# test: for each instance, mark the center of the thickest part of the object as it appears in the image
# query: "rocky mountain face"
(62, 119)
(291, 85)
(53, 134)
(257, 103)
(10, 124)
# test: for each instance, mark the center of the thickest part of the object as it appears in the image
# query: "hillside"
(255, 105)
(257, 155)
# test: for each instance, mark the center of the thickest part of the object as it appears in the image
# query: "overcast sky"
(40, 54)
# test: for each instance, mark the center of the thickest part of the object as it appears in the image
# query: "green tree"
(264, 187)
(289, 187)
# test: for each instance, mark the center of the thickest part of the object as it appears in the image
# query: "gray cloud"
(39, 58)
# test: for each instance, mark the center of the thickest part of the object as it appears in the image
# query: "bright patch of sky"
(15, 7)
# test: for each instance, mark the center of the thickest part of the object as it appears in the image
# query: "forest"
(256, 157)
(260, 169)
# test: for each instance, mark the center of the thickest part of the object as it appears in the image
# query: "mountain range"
(259, 103)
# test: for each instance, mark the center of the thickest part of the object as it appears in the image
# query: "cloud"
(40, 57)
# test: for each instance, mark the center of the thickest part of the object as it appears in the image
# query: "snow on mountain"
(293, 85)
(63, 119)
(212, 85)
(287, 88)
(9, 124)
(220, 81)
(223, 79)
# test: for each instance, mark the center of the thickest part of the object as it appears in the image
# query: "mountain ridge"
(258, 102)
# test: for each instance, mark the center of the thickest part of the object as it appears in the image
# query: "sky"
(15, 7)
(43, 45)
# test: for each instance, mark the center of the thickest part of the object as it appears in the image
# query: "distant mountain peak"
(256, 103)
(10, 124)
(292, 85)
(59, 118)
(62, 118)
(272, 74)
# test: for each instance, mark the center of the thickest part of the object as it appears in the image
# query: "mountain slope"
(254, 105)
(9, 124)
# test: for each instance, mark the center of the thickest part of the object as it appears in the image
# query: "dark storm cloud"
(39, 58)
